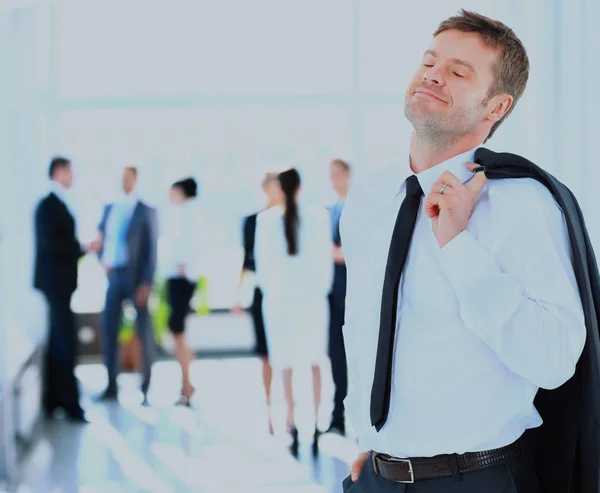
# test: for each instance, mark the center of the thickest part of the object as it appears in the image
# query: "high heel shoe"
(315, 444)
(293, 431)
(185, 399)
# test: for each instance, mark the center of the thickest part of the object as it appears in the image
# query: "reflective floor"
(219, 445)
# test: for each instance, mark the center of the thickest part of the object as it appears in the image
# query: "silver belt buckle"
(410, 469)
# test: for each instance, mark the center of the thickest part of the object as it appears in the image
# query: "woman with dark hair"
(293, 264)
(272, 190)
(182, 243)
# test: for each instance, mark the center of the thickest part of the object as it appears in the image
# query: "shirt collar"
(57, 189)
(456, 165)
(339, 203)
(129, 199)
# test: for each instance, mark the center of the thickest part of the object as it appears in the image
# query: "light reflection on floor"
(220, 445)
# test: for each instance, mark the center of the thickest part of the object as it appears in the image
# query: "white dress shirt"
(182, 241)
(482, 323)
(115, 242)
(63, 195)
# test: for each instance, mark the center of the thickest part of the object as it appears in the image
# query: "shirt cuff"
(463, 260)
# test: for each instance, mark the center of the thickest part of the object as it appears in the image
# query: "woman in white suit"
(294, 269)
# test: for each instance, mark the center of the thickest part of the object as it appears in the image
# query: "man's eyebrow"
(464, 63)
(456, 61)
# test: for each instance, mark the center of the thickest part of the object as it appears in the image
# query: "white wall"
(21, 183)
(4, 54)
(555, 124)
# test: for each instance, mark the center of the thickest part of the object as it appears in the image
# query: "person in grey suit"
(128, 251)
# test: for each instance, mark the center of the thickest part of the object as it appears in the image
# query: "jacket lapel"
(134, 221)
(63, 206)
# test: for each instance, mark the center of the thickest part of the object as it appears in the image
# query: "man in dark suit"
(57, 254)
(128, 238)
(340, 180)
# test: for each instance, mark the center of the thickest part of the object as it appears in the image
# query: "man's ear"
(500, 105)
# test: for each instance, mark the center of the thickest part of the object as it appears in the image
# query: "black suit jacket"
(567, 445)
(338, 287)
(249, 234)
(57, 248)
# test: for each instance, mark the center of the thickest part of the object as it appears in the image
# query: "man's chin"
(420, 114)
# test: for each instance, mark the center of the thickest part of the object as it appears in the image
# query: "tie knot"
(413, 188)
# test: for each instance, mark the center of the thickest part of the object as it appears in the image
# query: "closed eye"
(458, 75)
(427, 65)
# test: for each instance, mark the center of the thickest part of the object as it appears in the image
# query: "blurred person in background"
(182, 237)
(128, 252)
(294, 268)
(340, 180)
(57, 254)
(272, 190)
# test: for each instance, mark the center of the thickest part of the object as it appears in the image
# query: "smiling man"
(462, 302)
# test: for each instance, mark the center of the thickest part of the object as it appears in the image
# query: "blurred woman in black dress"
(270, 186)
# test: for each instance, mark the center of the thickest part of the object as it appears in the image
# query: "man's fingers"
(477, 182)
(433, 204)
(449, 190)
(451, 180)
(473, 166)
(358, 465)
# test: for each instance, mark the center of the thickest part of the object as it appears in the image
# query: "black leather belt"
(441, 466)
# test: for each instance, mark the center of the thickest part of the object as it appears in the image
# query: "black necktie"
(399, 246)
(337, 239)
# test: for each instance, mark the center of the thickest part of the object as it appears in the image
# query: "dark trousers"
(60, 384)
(120, 288)
(516, 476)
(337, 351)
